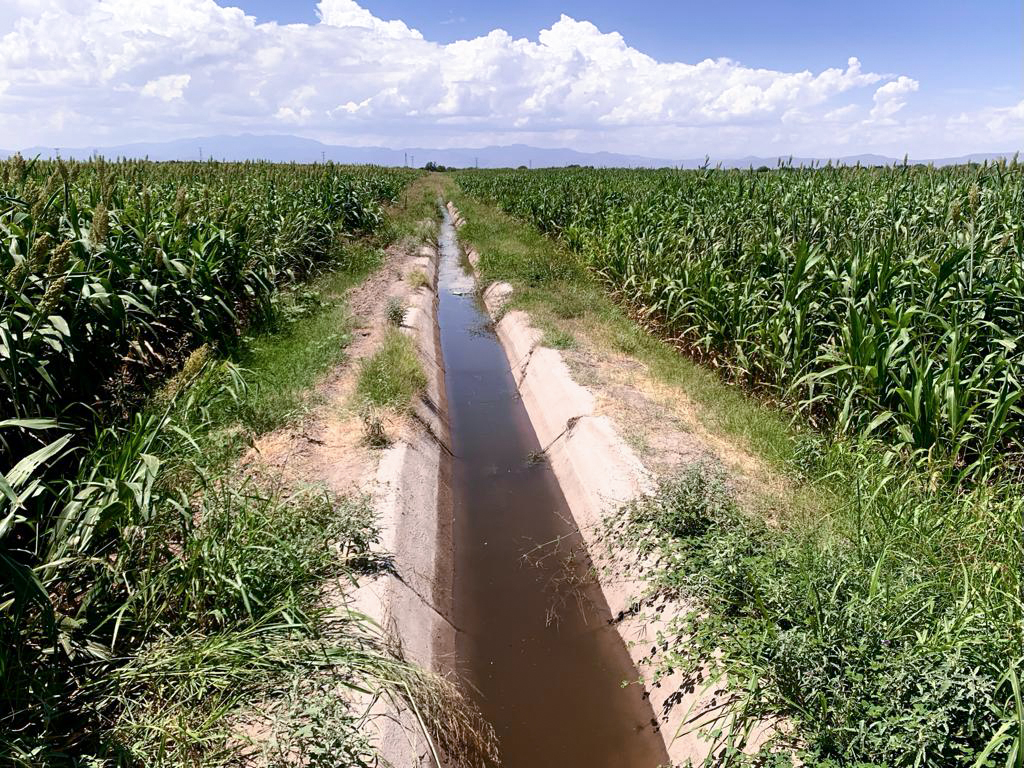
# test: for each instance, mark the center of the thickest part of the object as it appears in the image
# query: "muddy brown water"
(534, 640)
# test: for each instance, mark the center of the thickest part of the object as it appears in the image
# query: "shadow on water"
(535, 641)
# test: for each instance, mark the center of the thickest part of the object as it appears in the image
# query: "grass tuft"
(395, 311)
(556, 338)
(418, 279)
(392, 376)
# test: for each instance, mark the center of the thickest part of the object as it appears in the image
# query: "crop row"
(885, 302)
(112, 278)
(111, 272)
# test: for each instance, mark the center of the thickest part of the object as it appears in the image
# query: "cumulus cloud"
(167, 87)
(117, 70)
(348, 13)
(889, 99)
(991, 124)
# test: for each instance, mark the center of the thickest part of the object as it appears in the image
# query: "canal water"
(535, 640)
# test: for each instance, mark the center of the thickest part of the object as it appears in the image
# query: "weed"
(392, 375)
(418, 279)
(557, 338)
(832, 619)
(374, 433)
(536, 457)
(395, 311)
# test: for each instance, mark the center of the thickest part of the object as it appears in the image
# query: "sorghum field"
(883, 308)
(145, 592)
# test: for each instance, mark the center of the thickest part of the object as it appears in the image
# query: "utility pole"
(405, 161)
(476, 162)
(323, 157)
(200, 154)
(412, 160)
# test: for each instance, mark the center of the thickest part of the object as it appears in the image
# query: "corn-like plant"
(885, 301)
(884, 306)
(118, 285)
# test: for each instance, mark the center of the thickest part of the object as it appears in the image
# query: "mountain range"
(286, 148)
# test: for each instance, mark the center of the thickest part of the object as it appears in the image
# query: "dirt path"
(326, 448)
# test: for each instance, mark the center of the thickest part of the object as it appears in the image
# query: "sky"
(674, 80)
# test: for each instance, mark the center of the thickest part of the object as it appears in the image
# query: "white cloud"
(889, 98)
(998, 126)
(167, 88)
(120, 70)
(841, 113)
(348, 13)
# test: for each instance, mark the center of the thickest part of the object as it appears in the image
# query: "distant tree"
(522, 168)
(432, 166)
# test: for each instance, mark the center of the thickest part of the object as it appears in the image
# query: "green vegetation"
(395, 311)
(868, 627)
(392, 375)
(418, 279)
(881, 613)
(558, 339)
(876, 301)
(564, 297)
(149, 595)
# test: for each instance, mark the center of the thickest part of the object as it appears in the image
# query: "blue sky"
(676, 80)
(971, 49)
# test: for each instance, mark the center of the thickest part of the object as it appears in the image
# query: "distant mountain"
(284, 149)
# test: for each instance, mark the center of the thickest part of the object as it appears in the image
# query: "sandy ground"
(611, 431)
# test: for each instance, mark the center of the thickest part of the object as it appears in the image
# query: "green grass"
(557, 338)
(874, 628)
(418, 279)
(287, 364)
(395, 312)
(392, 376)
(415, 215)
(272, 375)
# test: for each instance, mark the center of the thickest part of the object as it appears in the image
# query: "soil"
(663, 425)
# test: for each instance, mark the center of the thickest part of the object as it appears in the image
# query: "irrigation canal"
(535, 638)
